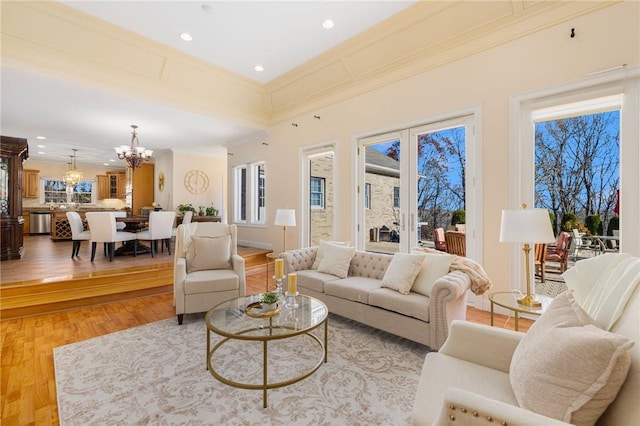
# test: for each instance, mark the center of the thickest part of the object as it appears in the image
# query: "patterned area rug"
(156, 374)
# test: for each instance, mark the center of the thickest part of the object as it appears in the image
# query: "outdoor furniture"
(560, 251)
(540, 257)
(456, 243)
(438, 239)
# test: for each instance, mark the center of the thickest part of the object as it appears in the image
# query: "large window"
(316, 195)
(55, 191)
(250, 193)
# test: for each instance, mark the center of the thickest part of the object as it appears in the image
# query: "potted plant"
(182, 208)
(211, 211)
(269, 301)
(201, 210)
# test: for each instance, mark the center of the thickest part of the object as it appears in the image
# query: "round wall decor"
(196, 181)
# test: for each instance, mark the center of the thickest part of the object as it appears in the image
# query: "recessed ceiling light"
(106, 164)
(259, 68)
(41, 138)
(327, 24)
(41, 146)
(41, 153)
(112, 160)
(186, 37)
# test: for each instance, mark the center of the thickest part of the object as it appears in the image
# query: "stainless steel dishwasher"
(40, 223)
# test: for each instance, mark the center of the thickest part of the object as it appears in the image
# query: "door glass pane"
(440, 183)
(321, 202)
(382, 187)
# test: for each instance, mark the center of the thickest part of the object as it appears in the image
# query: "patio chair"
(559, 252)
(456, 243)
(540, 257)
(438, 239)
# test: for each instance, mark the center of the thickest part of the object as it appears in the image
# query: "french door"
(412, 181)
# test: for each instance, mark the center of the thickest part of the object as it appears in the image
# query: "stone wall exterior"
(382, 212)
(322, 219)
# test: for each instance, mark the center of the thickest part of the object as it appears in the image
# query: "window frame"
(367, 195)
(322, 193)
(250, 193)
(93, 194)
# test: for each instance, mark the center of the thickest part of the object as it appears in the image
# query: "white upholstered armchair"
(207, 269)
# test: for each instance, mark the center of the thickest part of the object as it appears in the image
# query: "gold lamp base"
(529, 300)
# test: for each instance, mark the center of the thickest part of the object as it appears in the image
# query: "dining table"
(133, 223)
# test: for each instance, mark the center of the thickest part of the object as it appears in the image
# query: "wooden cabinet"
(112, 185)
(31, 181)
(13, 151)
(143, 189)
(26, 218)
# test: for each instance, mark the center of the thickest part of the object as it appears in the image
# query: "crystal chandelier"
(135, 154)
(72, 176)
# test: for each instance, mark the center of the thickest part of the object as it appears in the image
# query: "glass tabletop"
(509, 300)
(229, 319)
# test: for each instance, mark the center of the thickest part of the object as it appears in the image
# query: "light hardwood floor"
(28, 390)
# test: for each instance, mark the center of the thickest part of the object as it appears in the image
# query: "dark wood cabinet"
(13, 152)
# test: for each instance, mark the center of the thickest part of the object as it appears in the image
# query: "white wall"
(487, 80)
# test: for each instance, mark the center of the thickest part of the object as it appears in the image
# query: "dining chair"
(78, 234)
(160, 229)
(186, 219)
(102, 226)
(120, 225)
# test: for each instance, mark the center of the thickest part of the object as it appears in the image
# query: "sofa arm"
(461, 407)
(447, 303)
(237, 263)
(299, 259)
(481, 344)
(179, 275)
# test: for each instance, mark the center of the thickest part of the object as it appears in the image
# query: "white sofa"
(416, 317)
(468, 380)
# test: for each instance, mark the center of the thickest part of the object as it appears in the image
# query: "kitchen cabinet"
(13, 152)
(103, 187)
(112, 185)
(31, 181)
(26, 217)
(143, 189)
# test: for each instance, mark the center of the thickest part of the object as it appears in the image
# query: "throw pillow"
(322, 249)
(209, 253)
(566, 367)
(433, 267)
(336, 261)
(402, 272)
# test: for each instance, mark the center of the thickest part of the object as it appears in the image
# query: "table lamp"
(284, 218)
(526, 226)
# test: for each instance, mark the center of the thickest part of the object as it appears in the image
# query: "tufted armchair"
(207, 269)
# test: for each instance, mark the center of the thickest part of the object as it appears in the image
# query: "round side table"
(509, 300)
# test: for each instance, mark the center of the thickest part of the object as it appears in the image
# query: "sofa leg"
(180, 317)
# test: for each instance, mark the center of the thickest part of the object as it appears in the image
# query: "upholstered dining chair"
(540, 258)
(560, 251)
(186, 219)
(120, 225)
(207, 269)
(456, 242)
(160, 225)
(102, 226)
(78, 234)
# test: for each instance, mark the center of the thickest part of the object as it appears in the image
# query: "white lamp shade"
(526, 226)
(285, 217)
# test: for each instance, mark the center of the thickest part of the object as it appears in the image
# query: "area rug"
(156, 374)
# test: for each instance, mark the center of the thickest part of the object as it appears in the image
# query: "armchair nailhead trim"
(464, 410)
(475, 414)
(452, 418)
(489, 418)
(453, 407)
(503, 423)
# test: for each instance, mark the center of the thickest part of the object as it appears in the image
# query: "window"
(55, 191)
(250, 193)
(316, 192)
(396, 197)
(367, 195)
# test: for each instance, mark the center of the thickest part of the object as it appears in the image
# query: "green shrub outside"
(614, 224)
(457, 217)
(594, 224)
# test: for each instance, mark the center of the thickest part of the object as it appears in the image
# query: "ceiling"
(235, 35)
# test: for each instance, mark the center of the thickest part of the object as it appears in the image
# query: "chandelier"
(135, 154)
(72, 176)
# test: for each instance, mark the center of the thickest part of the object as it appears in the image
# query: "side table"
(509, 300)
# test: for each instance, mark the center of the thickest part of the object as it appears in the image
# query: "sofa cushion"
(356, 289)
(202, 281)
(322, 249)
(566, 367)
(336, 261)
(314, 280)
(209, 253)
(412, 305)
(434, 266)
(402, 271)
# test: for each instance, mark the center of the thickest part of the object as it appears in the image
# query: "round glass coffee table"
(231, 321)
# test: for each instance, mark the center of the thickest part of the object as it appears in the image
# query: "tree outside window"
(55, 191)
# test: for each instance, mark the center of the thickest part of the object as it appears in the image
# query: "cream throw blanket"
(480, 282)
(603, 285)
